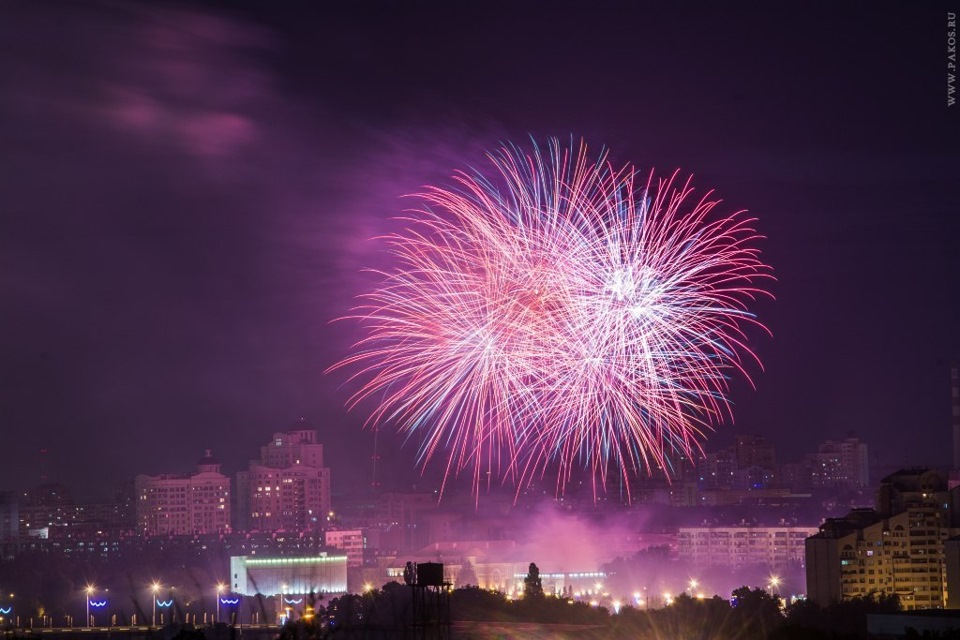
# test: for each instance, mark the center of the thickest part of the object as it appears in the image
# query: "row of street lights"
(155, 590)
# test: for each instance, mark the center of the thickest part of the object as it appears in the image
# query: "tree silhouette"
(532, 584)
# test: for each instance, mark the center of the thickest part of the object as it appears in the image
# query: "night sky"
(188, 195)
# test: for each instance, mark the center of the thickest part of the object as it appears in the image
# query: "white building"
(321, 574)
(743, 545)
(350, 541)
(188, 504)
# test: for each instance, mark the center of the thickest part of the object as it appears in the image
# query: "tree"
(467, 575)
(532, 584)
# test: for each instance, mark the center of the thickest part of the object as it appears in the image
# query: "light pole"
(155, 588)
(220, 587)
(774, 583)
(89, 593)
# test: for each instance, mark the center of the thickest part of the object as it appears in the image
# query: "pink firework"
(559, 312)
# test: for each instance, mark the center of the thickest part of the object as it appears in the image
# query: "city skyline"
(191, 193)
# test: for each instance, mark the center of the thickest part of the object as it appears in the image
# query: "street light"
(155, 587)
(774, 583)
(89, 593)
(220, 588)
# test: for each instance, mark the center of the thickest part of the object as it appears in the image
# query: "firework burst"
(559, 312)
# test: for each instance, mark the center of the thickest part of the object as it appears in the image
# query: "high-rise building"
(288, 488)
(841, 464)
(897, 548)
(755, 451)
(186, 504)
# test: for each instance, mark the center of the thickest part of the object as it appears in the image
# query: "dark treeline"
(750, 614)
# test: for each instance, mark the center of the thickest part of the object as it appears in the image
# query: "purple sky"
(188, 193)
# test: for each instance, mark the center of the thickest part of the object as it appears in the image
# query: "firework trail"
(558, 312)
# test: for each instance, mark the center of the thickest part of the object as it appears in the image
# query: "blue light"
(230, 601)
(99, 604)
(165, 603)
(6, 611)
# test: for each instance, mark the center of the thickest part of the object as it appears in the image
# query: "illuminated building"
(293, 575)
(189, 504)
(743, 545)
(288, 488)
(895, 549)
(841, 464)
(351, 542)
(45, 507)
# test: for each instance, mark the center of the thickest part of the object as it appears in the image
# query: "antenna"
(374, 483)
(44, 474)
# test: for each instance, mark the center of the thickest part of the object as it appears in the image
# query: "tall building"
(841, 464)
(755, 451)
(186, 504)
(897, 548)
(288, 488)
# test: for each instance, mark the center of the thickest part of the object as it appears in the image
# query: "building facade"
(288, 488)
(895, 549)
(301, 575)
(189, 504)
(841, 464)
(351, 542)
(776, 547)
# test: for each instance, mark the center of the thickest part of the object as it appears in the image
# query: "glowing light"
(229, 601)
(98, 604)
(774, 583)
(286, 561)
(293, 600)
(6, 611)
(165, 603)
(559, 311)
